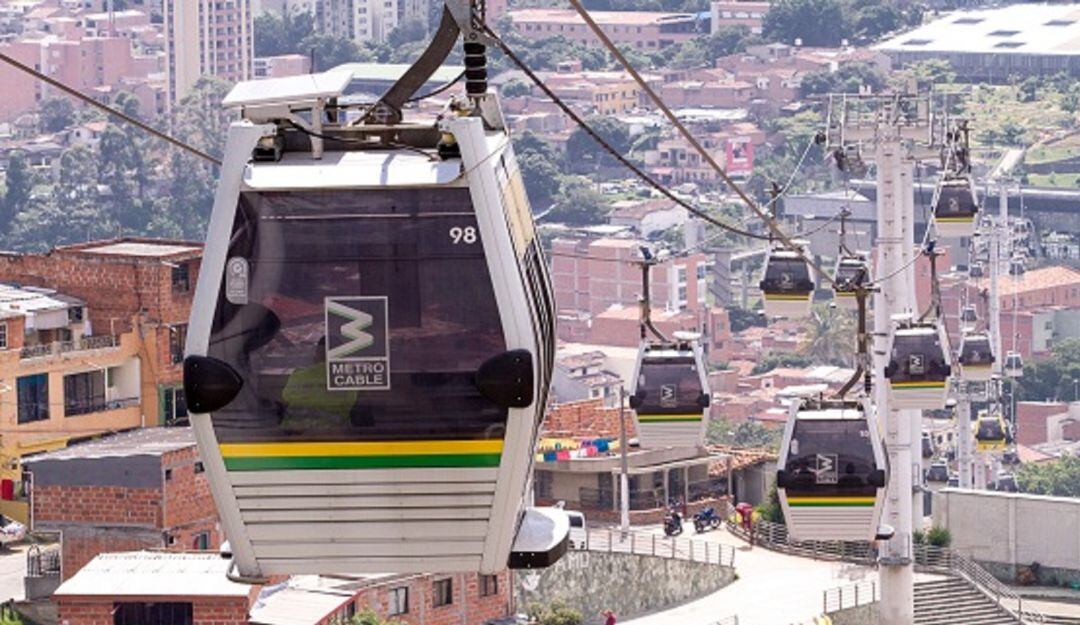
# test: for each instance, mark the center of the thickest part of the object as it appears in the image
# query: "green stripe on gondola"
(432, 461)
(668, 418)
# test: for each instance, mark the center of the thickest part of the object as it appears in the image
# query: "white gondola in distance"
(670, 394)
(969, 318)
(851, 273)
(976, 357)
(371, 342)
(787, 284)
(918, 369)
(956, 207)
(991, 432)
(831, 480)
(1014, 365)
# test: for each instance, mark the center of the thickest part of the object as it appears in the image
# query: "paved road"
(772, 589)
(12, 569)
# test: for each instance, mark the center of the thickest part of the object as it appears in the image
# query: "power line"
(108, 109)
(689, 137)
(577, 119)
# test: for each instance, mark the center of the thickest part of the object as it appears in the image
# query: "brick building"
(640, 29)
(154, 587)
(138, 490)
(1047, 422)
(748, 13)
(128, 284)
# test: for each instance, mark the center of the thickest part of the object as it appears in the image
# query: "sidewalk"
(771, 589)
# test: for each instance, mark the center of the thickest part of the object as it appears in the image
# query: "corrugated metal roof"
(142, 442)
(307, 599)
(154, 574)
(1026, 28)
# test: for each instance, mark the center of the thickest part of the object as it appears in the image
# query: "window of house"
(201, 541)
(173, 405)
(444, 592)
(199, 468)
(177, 338)
(157, 613)
(84, 393)
(489, 585)
(33, 397)
(181, 279)
(75, 314)
(168, 474)
(3, 336)
(399, 600)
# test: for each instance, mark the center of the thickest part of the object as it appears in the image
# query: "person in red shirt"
(609, 617)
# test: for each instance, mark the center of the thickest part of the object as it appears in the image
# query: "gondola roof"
(351, 170)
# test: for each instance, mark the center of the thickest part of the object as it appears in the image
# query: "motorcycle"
(706, 520)
(672, 524)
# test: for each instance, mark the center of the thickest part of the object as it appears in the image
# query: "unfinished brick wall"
(189, 506)
(82, 544)
(205, 610)
(98, 505)
(220, 611)
(467, 608)
(90, 611)
(586, 418)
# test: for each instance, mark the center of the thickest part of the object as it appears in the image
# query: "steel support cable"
(107, 109)
(577, 119)
(689, 137)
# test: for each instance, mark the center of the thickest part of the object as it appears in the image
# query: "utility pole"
(896, 126)
(624, 477)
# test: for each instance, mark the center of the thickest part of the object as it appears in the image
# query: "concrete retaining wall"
(1004, 531)
(630, 585)
(862, 615)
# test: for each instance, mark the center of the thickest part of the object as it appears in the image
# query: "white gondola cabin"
(371, 344)
(975, 270)
(787, 284)
(852, 272)
(991, 432)
(976, 357)
(969, 318)
(670, 395)
(1014, 365)
(831, 482)
(918, 369)
(1017, 266)
(956, 208)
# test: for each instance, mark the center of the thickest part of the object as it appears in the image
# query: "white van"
(578, 536)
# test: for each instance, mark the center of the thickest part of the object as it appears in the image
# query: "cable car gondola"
(991, 432)
(831, 483)
(787, 285)
(1017, 267)
(975, 270)
(918, 368)
(670, 397)
(851, 273)
(371, 342)
(1014, 365)
(956, 208)
(969, 318)
(976, 357)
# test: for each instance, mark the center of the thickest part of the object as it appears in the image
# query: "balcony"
(98, 405)
(64, 347)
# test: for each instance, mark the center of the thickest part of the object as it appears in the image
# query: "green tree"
(1029, 89)
(367, 616)
(71, 214)
(541, 178)
(830, 337)
(18, 184)
(583, 153)
(329, 51)
(814, 22)
(56, 114)
(555, 613)
(850, 78)
(743, 434)
(770, 510)
(1051, 379)
(1060, 478)
(281, 34)
(741, 319)
(409, 31)
(578, 203)
(516, 88)
(123, 169)
(772, 360)
(932, 72)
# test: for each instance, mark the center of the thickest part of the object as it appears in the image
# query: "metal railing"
(850, 596)
(937, 559)
(99, 405)
(42, 563)
(657, 546)
(65, 347)
(928, 558)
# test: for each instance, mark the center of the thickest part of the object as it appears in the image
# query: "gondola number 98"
(466, 235)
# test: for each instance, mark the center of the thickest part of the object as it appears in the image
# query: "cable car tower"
(893, 131)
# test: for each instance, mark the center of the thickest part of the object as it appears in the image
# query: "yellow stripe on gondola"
(343, 448)
(831, 501)
(798, 297)
(955, 220)
(917, 385)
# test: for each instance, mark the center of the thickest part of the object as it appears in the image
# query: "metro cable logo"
(825, 469)
(357, 344)
(668, 398)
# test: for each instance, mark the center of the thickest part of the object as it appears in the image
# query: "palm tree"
(830, 336)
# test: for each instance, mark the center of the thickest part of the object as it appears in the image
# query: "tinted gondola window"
(784, 275)
(399, 275)
(990, 430)
(669, 386)
(830, 458)
(917, 357)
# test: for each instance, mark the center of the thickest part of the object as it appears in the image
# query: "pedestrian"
(609, 617)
